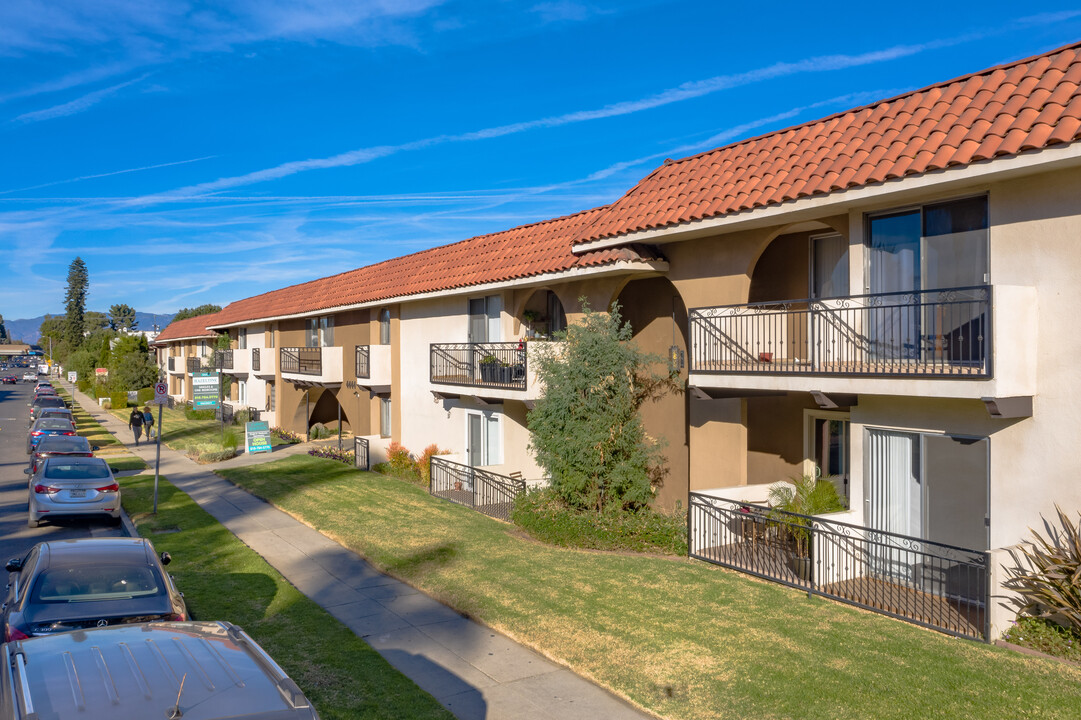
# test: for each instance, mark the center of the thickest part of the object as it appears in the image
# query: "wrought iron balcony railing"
(364, 361)
(255, 361)
(301, 360)
(485, 491)
(924, 582)
(933, 333)
(223, 359)
(172, 365)
(495, 365)
(194, 364)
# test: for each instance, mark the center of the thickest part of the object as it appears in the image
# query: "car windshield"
(53, 423)
(97, 582)
(64, 443)
(79, 471)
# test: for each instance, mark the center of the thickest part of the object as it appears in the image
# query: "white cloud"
(77, 105)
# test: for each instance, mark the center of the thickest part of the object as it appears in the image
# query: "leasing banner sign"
(205, 387)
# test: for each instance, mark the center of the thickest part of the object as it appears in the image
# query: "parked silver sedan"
(64, 486)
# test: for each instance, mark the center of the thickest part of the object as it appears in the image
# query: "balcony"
(894, 338)
(311, 366)
(373, 366)
(494, 371)
(234, 362)
(194, 365)
(175, 366)
(264, 362)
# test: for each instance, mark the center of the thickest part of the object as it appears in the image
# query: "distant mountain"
(30, 330)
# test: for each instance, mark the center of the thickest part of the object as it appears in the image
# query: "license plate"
(78, 493)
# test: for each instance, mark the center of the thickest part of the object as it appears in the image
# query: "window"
(270, 396)
(384, 417)
(484, 439)
(557, 319)
(827, 448)
(242, 338)
(242, 392)
(384, 326)
(829, 266)
(202, 348)
(319, 332)
(484, 316)
(928, 248)
(270, 336)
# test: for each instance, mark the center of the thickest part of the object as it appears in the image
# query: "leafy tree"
(75, 302)
(130, 366)
(4, 339)
(122, 317)
(185, 313)
(94, 321)
(586, 431)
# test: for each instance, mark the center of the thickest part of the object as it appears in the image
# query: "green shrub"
(544, 515)
(145, 395)
(242, 418)
(1047, 574)
(1045, 636)
(119, 400)
(230, 439)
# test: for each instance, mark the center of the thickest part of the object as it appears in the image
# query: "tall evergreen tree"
(75, 302)
(4, 339)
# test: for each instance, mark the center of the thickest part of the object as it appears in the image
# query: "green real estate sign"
(257, 436)
(204, 390)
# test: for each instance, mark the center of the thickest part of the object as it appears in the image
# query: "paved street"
(15, 537)
(475, 672)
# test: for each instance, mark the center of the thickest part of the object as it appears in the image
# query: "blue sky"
(196, 152)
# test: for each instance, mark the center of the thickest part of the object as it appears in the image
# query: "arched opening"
(326, 409)
(542, 315)
(658, 319)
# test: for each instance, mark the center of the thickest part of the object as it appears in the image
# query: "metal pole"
(221, 391)
(157, 463)
(308, 414)
(339, 428)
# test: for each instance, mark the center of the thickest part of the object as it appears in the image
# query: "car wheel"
(33, 522)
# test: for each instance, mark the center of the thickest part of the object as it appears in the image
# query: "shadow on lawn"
(435, 556)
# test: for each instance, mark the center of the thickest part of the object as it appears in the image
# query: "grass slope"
(223, 579)
(679, 637)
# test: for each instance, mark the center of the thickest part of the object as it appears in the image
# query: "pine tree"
(75, 302)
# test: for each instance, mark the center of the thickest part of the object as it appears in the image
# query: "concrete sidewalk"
(472, 670)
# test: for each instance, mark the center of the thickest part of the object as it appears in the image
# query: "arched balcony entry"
(542, 315)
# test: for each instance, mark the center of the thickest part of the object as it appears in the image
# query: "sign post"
(161, 397)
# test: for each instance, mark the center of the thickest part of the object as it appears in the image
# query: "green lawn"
(223, 579)
(682, 638)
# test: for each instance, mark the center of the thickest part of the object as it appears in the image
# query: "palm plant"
(1050, 585)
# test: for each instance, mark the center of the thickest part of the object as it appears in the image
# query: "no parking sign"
(161, 394)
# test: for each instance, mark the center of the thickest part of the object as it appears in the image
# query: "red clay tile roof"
(193, 327)
(520, 252)
(1025, 105)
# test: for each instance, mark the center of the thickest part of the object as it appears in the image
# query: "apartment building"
(880, 297)
(183, 347)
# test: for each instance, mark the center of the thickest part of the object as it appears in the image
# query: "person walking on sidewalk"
(135, 422)
(148, 422)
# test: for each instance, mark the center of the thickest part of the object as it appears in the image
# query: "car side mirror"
(27, 471)
(14, 565)
(166, 558)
